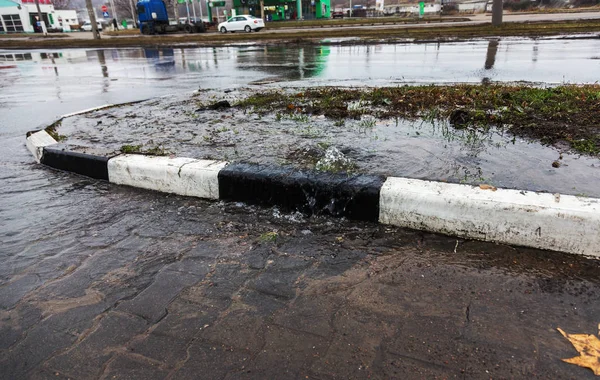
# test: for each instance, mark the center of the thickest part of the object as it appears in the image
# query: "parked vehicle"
(87, 26)
(153, 18)
(243, 23)
(337, 14)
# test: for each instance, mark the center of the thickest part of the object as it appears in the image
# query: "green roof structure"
(8, 4)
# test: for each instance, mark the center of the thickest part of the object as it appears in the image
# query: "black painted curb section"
(80, 163)
(354, 197)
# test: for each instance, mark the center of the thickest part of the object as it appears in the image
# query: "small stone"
(220, 104)
(556, 164)
(459, 118)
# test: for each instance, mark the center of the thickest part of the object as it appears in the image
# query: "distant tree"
(124, 9)
(61, 4)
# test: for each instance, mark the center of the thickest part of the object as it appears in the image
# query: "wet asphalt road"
(102, 281)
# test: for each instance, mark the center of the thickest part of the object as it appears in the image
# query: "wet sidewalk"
(144, 285)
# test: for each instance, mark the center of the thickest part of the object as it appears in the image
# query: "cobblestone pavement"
(106, 282)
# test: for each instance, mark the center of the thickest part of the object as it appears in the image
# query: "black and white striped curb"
(555, 222)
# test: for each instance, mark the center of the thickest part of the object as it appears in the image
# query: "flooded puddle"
(391, 147)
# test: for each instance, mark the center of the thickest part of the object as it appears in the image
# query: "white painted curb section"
(36, 143)
(180, 175)
(86, 110)
(555, 222)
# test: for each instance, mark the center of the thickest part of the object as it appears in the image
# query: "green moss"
(590, 147)
(268, 237)
(51, 130)
(128, 149)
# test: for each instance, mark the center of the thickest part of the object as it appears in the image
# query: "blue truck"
(154, 19)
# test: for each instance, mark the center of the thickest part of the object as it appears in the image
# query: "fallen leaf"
(487, 187)
(588, 347)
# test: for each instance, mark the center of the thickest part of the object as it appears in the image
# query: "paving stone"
(12, 292)
(239, 329)
(151, 304)
(194, 266)
(39, 345)
(309, 314)
(128, 368)
(75, 320)
(169, 339)
(86, 359)
(356, 344)
(16, 322)
(210, 361)
(261, 303)
(279, 359)
(276, 284)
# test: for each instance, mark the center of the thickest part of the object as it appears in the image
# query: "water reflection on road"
(38, 86)
(89, 77)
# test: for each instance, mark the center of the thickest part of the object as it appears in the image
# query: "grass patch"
(51, 130)
(32, 35)
(129, 149)
(564, 113)
(138, 149)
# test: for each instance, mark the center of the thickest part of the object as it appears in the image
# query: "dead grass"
(566, 113)
(32, 35)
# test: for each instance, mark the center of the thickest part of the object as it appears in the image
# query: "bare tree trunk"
(42, 23)
(497, 13)
(262, 9)
(176, 10)
(133, 15)
(92, 14)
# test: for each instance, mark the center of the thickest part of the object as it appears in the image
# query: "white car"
(242, 23)
(87, 26)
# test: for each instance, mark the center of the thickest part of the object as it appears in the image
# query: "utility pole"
(42, 23)
(92, 14)
(497, 13)
(350, 15)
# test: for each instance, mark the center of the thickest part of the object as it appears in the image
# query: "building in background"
(22, 16)
(67, 19)
(430, 8)
(473, 6)
(279, 10)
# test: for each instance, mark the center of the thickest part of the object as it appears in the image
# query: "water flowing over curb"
(563, 223)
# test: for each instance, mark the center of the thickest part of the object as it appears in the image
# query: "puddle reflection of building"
(490, 59)
(289, 63)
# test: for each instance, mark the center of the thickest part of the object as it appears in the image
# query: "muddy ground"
(364, 139)
(141, 285)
